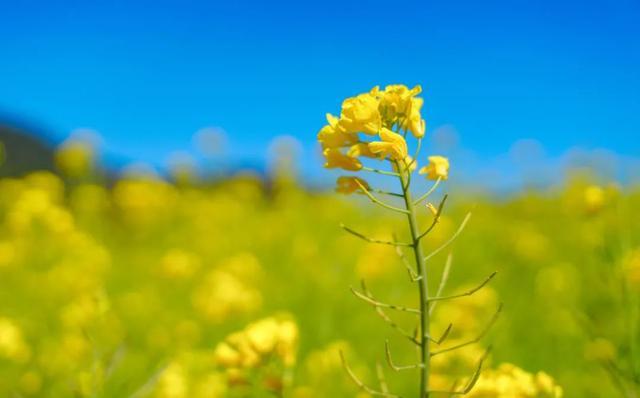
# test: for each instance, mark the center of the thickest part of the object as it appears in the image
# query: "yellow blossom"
(173, 382)
(263, 335)
(360, 114)
(333, 134)
(414, 121)
(392, 145)
(336, 159)
(12, 344)
(226, 356)
(509, 381)
(594, 198)
(178, 264)
(349, 184)
(438, 167)
(396, 100)
(75, 158)
(260, 341)
(361, 149)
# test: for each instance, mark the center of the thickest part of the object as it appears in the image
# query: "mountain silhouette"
(24, 151)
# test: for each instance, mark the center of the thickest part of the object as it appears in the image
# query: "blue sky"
(147, 75)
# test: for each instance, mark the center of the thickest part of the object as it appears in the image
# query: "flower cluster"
(264, 343)
(12, 344)
(509, 381)
(386, 116)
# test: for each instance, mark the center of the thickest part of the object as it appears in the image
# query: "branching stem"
(468, 292)
(372, 240)
(383, 172)
(378, 201)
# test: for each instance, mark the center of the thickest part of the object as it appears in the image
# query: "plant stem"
(422, 283)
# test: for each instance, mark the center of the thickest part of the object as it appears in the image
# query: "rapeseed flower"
(334, 135)
(438, 167)
(393, 145)
(509, 381)
(336, 159)
(349, 184)
(360, 114)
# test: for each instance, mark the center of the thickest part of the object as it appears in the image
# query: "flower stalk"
(423, 284)
(379, 113)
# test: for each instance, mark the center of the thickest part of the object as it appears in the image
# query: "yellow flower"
(360, 114)
(75, 158)
(249, 348)
(348, 184)
(361, 149)
(414, 121)
(336, 159)
(12, 344)
(333, 135)
(510, 381)
(396, 100)
(438, 167)
(225, 355)
(392, 145)
(594, 198)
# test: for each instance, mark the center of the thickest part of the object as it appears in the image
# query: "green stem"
(423, 286)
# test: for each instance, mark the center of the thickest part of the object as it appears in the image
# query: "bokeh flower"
(438, 167)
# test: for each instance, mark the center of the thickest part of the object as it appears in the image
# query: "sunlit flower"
(438, 167)
(173, 382)
(12, 344)
(348, 184)
(396, 100)
(360, 114)
(75, 158)
(334, 135)
(336, 159)
(414, 122)
(392, 145)
(257, 346)
(222, 294)
(510, 381)
(594, 198)
(361, 149)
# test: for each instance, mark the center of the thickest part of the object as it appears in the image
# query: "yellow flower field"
(133, 290)
(244, 287)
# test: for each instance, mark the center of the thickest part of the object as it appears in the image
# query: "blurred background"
(162, 187)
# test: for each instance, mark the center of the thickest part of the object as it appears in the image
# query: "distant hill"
(24, 151)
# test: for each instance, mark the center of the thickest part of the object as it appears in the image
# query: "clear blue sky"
(148, 74)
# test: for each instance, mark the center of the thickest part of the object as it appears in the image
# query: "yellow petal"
(438, 167)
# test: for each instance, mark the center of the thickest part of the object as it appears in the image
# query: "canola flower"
(509, 381)
(266, 348)
(75, 158)
(372, 127)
